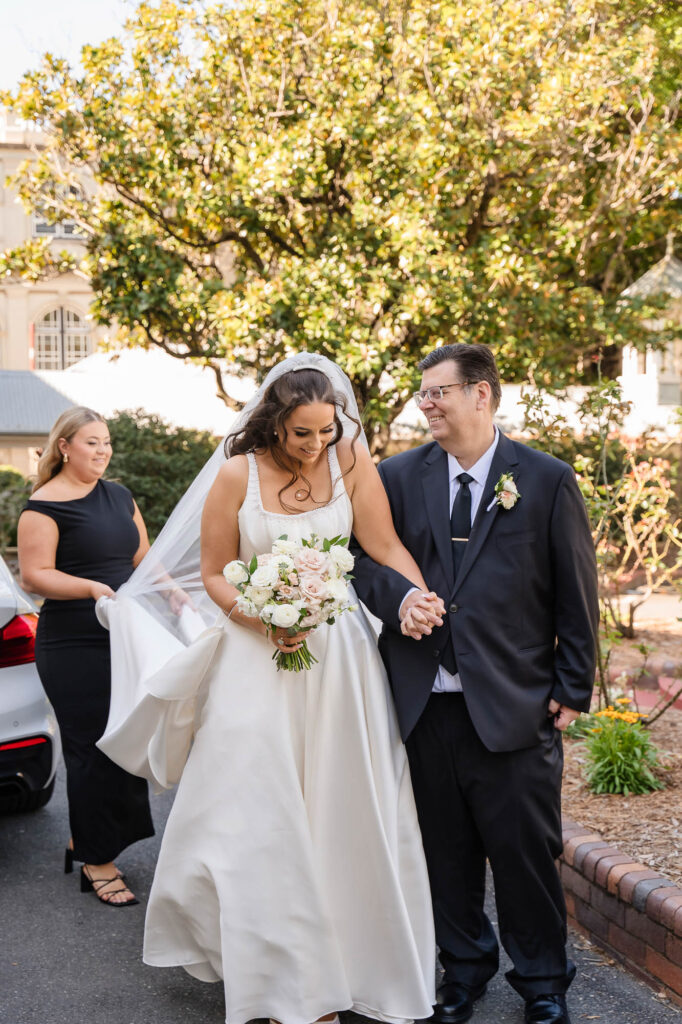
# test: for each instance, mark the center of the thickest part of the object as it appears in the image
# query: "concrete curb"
(629, 910)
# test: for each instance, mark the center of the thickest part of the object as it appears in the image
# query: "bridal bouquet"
(296, 586)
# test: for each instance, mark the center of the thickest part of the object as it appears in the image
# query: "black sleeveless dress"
(108, 808)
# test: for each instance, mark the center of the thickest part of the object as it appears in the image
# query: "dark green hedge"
(156, 461)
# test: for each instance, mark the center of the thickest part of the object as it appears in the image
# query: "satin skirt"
(292, 865)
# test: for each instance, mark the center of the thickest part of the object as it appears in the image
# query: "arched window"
(61, 339)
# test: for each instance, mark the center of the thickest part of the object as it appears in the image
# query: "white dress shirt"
(445, 682)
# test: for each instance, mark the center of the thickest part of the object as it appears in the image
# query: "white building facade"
(652, 380)
(43, 326)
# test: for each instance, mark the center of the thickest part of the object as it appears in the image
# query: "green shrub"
(621, 755)
(580, 727)
(156, 461)
(14, 491)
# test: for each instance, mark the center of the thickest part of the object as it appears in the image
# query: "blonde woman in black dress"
(79, 539)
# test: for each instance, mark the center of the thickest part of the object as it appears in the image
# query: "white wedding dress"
(292, 866)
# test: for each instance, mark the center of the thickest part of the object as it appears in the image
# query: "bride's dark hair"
(265, 430)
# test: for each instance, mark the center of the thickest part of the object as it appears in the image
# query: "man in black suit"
(500, 533)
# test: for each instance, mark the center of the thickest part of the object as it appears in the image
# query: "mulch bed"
(648, 827)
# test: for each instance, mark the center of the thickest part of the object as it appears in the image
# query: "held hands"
(420, 612)
(563, 716)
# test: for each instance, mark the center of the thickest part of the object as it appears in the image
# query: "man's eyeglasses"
(435, 393)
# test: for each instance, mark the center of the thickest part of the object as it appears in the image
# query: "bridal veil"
(158, 659)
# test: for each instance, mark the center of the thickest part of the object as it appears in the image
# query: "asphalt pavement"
(662, 606)
(66, 959)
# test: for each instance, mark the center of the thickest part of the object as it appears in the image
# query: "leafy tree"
(155, 461)
(366, 179)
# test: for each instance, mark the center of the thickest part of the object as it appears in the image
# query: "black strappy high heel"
(96, 885)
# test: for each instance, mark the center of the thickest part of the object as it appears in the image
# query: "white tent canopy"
(179, 391)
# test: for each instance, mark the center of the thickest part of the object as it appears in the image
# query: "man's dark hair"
(475, 362)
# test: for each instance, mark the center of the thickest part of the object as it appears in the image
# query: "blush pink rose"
(312, 588)
(286, 591)
(310, 560)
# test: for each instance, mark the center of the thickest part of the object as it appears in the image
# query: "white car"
(29, 737)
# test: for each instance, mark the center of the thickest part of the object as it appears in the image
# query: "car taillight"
(35, 741)
(17, 641)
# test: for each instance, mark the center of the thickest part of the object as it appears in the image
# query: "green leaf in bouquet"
(253, 564)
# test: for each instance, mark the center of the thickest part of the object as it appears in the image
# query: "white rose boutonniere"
(507, 492)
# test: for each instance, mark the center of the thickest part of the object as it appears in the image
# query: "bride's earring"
(65, 457)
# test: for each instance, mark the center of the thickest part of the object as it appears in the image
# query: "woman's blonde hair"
(68, 424)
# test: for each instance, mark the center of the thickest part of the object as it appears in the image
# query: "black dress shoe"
(455, 1003)
(550, 1009)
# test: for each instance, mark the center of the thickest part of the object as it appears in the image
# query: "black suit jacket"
(523, 612)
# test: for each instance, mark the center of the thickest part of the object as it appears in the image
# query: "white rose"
(283, 563)
(266, 612)
(341, 557)
(337, 590)
(508, 498)
(285, 547)
(265, 576)
(247, 607)
(284, 615)
(258, 595)
(235, 573)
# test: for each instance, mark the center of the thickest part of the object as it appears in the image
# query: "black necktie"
(460, 520)
(460, 528)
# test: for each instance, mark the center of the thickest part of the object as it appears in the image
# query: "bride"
(291, 865)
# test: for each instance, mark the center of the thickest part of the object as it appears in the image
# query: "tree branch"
(475, 226)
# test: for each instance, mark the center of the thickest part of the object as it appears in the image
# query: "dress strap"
(336, 474)
(253, 485)
(45, 508)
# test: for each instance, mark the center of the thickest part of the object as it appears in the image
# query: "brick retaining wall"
(626, 908)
